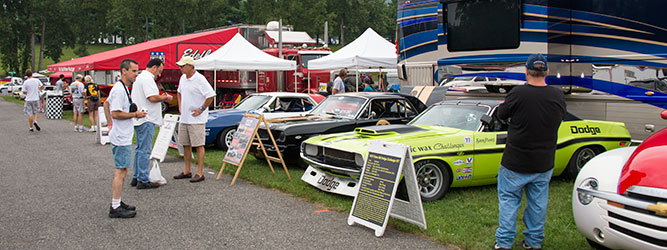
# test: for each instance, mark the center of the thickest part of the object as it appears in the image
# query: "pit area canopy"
(369, 50)
(290, 37)
(170, 49)
(239, 54)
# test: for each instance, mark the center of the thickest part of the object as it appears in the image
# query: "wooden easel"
(244, 137)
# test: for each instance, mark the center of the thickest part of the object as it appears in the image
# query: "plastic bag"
(155, 175)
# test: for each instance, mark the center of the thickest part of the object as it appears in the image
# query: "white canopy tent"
(239, 54)
(369, 50)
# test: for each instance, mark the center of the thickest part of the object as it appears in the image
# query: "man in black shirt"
(535, 111)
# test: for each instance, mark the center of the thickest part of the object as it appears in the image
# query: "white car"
(479, 84)
(620, 196)
(47, 90)
(14, 85)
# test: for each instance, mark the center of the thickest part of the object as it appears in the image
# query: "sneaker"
(197, 178)
(30, 129)
(496, 247)
(76, 128)
(133, 182)
(121, 212)
(147, 185)
(526, 246)
(92, 129)
(128, 207)
(36, 126)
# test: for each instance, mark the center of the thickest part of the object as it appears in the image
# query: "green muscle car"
(454, 143)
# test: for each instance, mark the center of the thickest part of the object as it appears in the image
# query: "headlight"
(359, 160)
(589, 183)
(311, 150)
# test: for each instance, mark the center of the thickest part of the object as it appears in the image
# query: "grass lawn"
(464, 218)
(68, 54)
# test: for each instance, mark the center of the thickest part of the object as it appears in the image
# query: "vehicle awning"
(171, 49)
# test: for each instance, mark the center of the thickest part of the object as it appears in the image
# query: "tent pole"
(357, 69)
(380, 80)
(256, 81)
(215, 88)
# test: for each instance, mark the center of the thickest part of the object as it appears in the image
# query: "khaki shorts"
(77, 105)
(92, 106)
(192, 134)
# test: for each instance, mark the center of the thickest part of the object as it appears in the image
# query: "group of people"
(80, 92)
(139, 112)
(340, 86)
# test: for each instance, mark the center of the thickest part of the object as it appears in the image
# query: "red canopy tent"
(67, 74)
(170, 49)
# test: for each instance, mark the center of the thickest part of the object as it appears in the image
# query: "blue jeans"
(510, 188)
(142, 152)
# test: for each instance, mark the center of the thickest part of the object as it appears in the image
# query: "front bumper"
(329, 183)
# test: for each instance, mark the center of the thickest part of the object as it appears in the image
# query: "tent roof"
(67, 74)
(239, 54)
(110, 60)
(293, 37)
(369, 50)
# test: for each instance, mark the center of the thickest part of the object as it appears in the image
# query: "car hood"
(311, 124)
(646, 166)
(212, 115)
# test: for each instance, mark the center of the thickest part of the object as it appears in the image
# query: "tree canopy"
(57, 24)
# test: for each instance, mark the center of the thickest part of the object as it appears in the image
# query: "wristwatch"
(202, 108)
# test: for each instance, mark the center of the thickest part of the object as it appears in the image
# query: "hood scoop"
(385, 129)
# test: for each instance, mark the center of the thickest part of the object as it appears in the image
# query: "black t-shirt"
(536, 113)
(92, 89)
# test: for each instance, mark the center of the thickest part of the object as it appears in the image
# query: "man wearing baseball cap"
(536, 111)
(195, 94)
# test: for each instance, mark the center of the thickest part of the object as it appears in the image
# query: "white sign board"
(385, 162)
(164, 137)
(102, 127)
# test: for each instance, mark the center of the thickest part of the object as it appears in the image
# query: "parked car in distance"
(619, 199)
(222, 123)
(454, 143)
(478, 83)
(659, 85)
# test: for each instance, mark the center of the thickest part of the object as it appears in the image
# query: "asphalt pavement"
(55, 192)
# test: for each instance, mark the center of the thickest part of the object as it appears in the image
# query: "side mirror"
(486, 119)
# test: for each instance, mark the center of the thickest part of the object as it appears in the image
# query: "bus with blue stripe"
(614, 46)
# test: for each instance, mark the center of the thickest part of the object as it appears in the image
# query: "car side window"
(497, 125)
(387, 108)
(305, 104)
(480, 79)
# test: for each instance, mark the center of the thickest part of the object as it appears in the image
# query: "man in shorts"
(31, 88)
(117, 106)
(76, 89)
(195, 94)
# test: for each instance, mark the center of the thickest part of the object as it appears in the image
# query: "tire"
(578, 160)
(433, 179)
(224, 139)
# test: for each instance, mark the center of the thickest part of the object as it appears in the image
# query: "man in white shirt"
(195, 94)
(76, 89)
(117, 106)
(31, 88)
(338, 84)
(147, 97)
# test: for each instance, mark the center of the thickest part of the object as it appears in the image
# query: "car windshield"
(305, 58)
(252, 102)
(466, 117)
(343, 106)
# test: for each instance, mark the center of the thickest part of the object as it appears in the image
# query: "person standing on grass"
(31, 88)
(536, 111)
(93, 97)
(118, 107)
(60, 84)
(76, 90)
(195, 94)
(147, 97)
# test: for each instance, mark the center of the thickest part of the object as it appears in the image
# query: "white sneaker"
(76, 128)
(92, 129)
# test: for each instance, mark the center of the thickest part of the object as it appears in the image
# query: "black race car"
(340, 113)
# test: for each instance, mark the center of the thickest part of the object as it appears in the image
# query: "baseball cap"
(537, 62)
(367, 80)
(186, 60)
(78, 76)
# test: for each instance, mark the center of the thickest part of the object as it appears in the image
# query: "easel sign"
(377, 189)
(103, 127)
(243, 138)
(164, 137)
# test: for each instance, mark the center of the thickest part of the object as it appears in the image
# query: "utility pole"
(326, 33)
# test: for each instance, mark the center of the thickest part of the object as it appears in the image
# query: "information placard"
(241, 139)
(164, 137)
(385, 163)
(103, 127)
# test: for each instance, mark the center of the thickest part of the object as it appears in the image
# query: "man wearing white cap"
(76, 89)
(195, 94)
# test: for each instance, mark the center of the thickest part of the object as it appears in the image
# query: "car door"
(489, 144)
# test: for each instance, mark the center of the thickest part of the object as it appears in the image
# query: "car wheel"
(224, 140)
(578, 160)
(433, 179)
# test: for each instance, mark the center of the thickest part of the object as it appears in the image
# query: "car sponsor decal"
(458, 162)
(469, 161)
(463, 177)
(467, 140)
(458, 170)
(437, 146)
(467, 170)
(328, 181)
(485, 140)
(585, 130)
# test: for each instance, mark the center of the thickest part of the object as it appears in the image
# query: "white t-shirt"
(339, 85)
(194, 92)
(76, 89)
(143, 88)
(59, 86)
(31, 87)
(122, 130)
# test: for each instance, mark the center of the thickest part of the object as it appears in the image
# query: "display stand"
(164, 138)
(103, 127)
(385, 162)
(245, 135)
